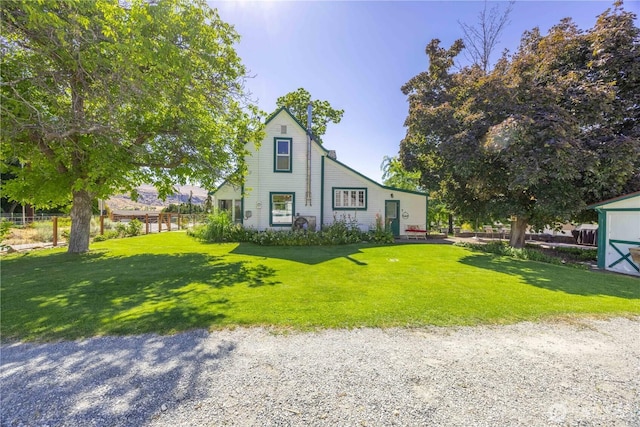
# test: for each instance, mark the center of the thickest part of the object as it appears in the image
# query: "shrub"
(344, 230)
(466, 227)
(218, 227)
(95, 225)
(64, 221)
(5, 229)
(111, 234)
(527, 253)
(134, 228)
(121, 229)
(379, 234)
(577, 254)
(44, 231)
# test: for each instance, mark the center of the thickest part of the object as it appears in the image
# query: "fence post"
(146, 223)
(55, 231)
(102, 225)
(160, 222)
(179, 225)
(169, 222)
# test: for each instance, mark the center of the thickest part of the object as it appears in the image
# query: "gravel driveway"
(580, 372)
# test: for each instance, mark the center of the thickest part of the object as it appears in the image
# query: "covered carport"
(618, 233)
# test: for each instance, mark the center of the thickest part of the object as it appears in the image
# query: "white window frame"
(347, 198)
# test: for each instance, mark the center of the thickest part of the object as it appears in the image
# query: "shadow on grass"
(559, 278)
(115, 381)
(61, 296)
(304, 254)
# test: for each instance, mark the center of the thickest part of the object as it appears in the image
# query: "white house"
(291, 178)
(618, 231)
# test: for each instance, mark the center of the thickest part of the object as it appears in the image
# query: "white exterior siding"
(228, 191)
(234, 194)
(623, 232)
(619, 222)
(262, 179)
(337, 176)
(413, 208)
(413, 211)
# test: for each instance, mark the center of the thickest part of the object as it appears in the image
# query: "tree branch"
(51, 155)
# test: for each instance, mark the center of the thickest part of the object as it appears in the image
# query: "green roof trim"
(225, 182)
(386, 187)
(615, 199)
(326, 152)
(285, 109)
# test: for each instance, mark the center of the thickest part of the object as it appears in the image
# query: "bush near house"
(220, 228)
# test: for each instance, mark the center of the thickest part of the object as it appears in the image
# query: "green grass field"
(169, 282)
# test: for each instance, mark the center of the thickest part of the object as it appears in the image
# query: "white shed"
(618, 231)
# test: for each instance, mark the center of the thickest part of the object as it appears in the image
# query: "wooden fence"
(151, 223)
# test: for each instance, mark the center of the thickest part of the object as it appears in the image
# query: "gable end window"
(349, 198)
(282, 154)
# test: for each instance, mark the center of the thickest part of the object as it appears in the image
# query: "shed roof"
(613, 200)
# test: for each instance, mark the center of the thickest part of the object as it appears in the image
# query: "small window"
(349, 198)
(282, 160)
(282, 208)
(283, 129)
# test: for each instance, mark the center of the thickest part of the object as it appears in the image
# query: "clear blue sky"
(357, 55)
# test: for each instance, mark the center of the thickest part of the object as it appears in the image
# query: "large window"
(349, 198)
(282, 208)
(282, 155)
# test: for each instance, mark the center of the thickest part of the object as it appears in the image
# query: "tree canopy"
(545, 133)
(395, 175)
(322, 113)
(98, 97)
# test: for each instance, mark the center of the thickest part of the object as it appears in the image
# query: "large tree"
(540, 136)
(395, 175)
(322, 112)
(98, 97)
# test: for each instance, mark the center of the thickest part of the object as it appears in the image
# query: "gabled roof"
(315, 140)
(615, 199)
(375, 182)
(285, 109)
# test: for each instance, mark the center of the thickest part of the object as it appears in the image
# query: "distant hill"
(148, 198)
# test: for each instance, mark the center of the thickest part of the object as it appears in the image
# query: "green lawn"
(169, 282)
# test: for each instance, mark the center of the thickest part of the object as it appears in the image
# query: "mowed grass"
(169, 282)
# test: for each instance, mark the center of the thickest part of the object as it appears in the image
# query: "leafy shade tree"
(542, 135)
(98, 97)
(395, 175)
(322, 112)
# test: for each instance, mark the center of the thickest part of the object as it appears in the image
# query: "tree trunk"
(518, 232)
(81, 211)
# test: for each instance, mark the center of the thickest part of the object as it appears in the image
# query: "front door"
(392, 216)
